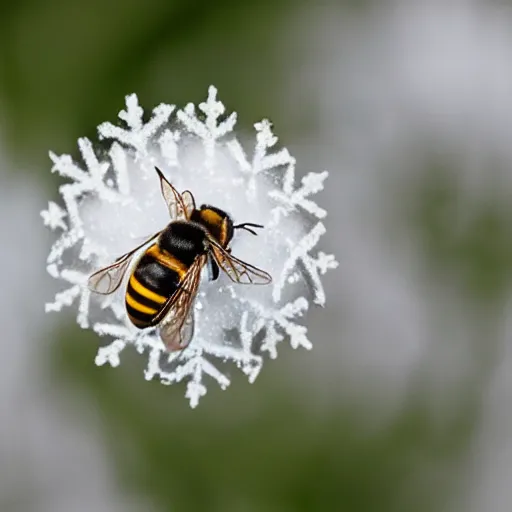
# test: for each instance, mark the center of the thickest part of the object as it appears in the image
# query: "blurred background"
(404, 402)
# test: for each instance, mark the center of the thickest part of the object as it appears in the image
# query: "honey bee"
(164, 282)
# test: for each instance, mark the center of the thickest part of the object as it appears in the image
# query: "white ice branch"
(263, 160)
(137, 135)
(291, 199)
(54, 216)
(211, 128)
(68, 296)
(312, 266)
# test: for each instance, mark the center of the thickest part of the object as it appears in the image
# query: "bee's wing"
(108, 279)
(180, 206)
(237, 270)
(189, 202)
(176, 318)
(177, 337)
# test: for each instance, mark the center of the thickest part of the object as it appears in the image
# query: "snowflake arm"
(54, 216)
(263, 159)
(210, 128)
(313, 267)
(68, 296)
(276, 323)
(290, 199)
(137, 134)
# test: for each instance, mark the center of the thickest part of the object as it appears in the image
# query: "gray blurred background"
(404, 402)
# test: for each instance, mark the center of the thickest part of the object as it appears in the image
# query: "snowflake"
(113, 202)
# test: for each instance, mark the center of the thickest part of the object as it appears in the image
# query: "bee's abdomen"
(142, 303)
(154, 280)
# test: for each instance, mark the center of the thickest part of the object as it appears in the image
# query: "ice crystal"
(113, 202)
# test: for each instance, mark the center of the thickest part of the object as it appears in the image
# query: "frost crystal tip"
(112, 204)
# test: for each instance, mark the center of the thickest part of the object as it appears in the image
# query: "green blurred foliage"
(470, 238)
(259, 447)
(67, 65)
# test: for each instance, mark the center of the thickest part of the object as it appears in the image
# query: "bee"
(164, 281)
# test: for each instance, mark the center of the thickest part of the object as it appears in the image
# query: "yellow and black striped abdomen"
(155, 279)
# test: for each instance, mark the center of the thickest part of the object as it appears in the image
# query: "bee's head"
(216, 221)
(220, 224)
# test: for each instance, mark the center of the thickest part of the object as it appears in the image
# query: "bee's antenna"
(245, 224)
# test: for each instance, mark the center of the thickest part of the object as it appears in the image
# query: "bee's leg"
(213, 268)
